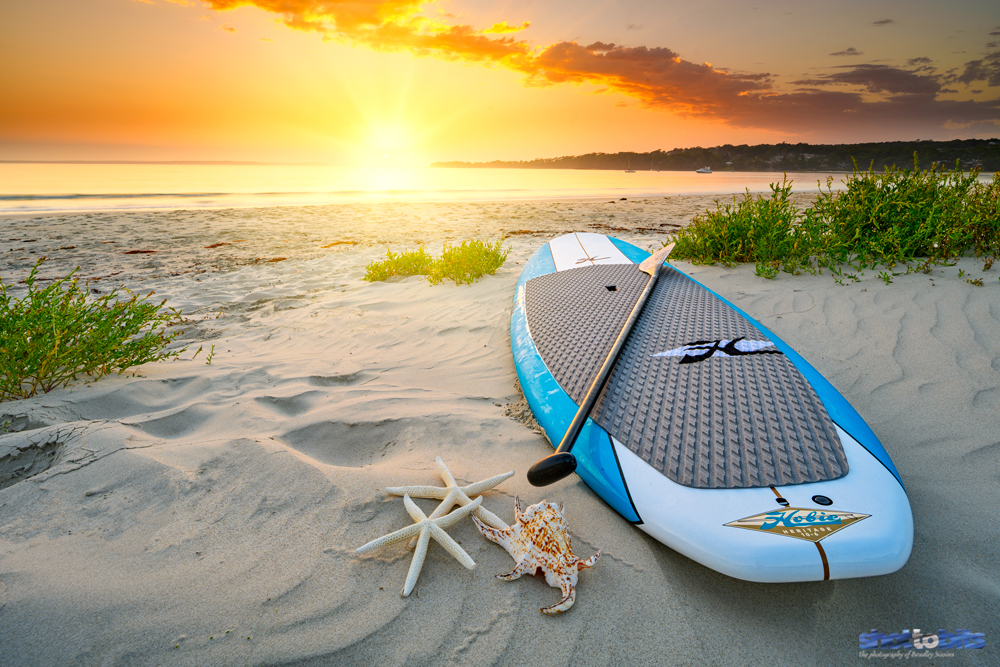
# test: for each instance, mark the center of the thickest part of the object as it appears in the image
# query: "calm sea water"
(37, 188)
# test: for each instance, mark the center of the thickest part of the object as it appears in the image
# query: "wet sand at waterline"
(208, 514)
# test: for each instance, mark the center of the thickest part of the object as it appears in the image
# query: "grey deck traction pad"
(703, 419)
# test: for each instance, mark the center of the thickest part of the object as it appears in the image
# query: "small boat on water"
(630, 170)
(703, 170)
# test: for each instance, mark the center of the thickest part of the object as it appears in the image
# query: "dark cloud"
(660, 79)
(919, 61)
(985, 69)
(878, 79)
(851, 51)
(883, 22)
(981, 128)
(811, 111)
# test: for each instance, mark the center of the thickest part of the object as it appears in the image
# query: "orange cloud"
(502, 28)
(658, 77)
(391, 25)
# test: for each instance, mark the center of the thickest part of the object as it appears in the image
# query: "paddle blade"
(552, 469)
(657, 258)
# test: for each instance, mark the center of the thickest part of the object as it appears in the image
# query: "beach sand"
(208, 514)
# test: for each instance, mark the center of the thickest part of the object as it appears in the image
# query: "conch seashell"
(539, 542)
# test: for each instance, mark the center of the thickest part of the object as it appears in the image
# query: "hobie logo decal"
(701, 350)
(803, 524)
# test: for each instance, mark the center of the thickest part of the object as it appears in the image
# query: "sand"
(207, 514)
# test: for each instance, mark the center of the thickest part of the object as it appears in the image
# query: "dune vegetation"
(56, 333)
(911, 219)
(464, 263)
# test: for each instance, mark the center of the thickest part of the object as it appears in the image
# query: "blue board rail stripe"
(841, 412)
(597, 463)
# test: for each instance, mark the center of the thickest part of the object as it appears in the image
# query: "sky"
(408, 82)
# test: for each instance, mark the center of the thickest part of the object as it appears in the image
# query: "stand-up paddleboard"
(711, 434)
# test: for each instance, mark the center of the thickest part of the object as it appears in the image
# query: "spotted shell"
(539, 542)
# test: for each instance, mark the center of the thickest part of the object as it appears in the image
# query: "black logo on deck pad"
(700, 350)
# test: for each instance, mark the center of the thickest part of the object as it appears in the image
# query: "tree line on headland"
(969, 153)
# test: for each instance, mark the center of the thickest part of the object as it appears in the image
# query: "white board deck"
(572, 251)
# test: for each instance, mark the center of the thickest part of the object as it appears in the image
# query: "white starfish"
(453, 494)
(427, 527)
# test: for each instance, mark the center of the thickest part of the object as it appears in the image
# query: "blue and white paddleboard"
(711, 434)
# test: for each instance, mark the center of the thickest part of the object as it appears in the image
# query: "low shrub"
(889, 218)
(413, 263)
(465, 263)
(897, 216)
(469, 262)
(763, 231)
(54, 334)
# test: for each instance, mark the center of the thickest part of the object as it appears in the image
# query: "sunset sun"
(390, 137)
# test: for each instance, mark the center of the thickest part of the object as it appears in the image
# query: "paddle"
(562, 463)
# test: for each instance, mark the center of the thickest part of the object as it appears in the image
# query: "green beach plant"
(56, 333)
(763, 231)
(896, 216)
(880, 219)
(465, 263)
(469, 262)
(411, 263)
(984, 228)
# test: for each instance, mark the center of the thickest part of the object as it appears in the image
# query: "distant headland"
(970, 153)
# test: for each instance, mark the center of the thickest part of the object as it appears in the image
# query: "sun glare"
(389, 138)
(390, 143)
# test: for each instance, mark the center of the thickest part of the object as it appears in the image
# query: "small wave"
(144, 195)
(336, 194)
(21, 204)
(148, 195)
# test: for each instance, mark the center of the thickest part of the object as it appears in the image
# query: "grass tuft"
(413, 263)
(928, 217)
(469, 262)
(54, 334)
(466, 263)
(758, 230)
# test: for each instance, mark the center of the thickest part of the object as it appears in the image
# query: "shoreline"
(32, 190)
(613, 198)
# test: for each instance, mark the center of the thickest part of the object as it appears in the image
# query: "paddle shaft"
(537, 475)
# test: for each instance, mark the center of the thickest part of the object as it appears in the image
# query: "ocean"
(27, 188)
